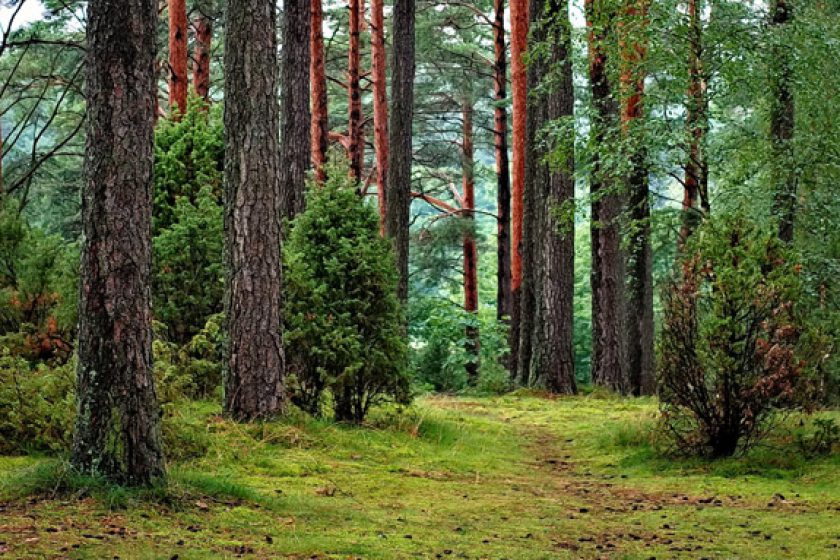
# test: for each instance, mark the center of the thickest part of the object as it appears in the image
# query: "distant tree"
(203, 25)
(178, 57)
(295, 116)
(118, 425)
(320, 130)
(500, 131)
(380, 103)
(398, 192)
(254, 385)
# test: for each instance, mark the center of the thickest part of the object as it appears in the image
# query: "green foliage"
(729, 340)
(344, 323)
(188, 281)
(439, 354)
(193, 370)
(38, 275)
(36, 405)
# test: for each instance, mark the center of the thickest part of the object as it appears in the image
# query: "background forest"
(478, 206)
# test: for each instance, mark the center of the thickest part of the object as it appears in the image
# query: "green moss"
(510, 477)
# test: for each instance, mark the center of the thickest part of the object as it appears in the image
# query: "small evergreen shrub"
(729, 337)
(344, 323)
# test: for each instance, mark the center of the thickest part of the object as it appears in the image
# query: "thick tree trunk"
(380, 104)
(203, 24)
(398, 193)
(178, 80)
(320, 129)
(355, 145)
(552, 188)
(470, 247)
(519, 79)
(118, 424)
(295, 116)
(695, 204)
(608, 269)
(782, 114)
(254, 384)
(500, 129)
(640, 359)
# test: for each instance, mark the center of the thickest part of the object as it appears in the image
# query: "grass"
(518, 477)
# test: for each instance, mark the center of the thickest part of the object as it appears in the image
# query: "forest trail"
(516, 477)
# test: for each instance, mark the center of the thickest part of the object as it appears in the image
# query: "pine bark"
(551, 186)
(295, 117)
(355, 145)
(203, 24)
(639, 319)
(178, 80)
(472, 344)
(695, 204)
(118, 423)
(500, 129)
(782, 115)
(608, 269)
(380, 104)
(254, 382)
(519, 79)
(398, 193)
(320, 129)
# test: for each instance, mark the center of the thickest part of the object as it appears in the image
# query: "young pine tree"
(343, 318)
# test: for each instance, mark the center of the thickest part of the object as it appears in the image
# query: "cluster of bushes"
(732, 339)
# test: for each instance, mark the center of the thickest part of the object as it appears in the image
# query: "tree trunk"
(782, 114)
(380, 104)
(695, 203)
(608, 270)
(500, 127)
(203, 25)
(398, 193)
(320, 129)
(470, 247)
(518, 45)
(295, 116)
(552, 188)
(118, 424)
(254, 384)
(178, 80)
(640, 359)
(355, 145)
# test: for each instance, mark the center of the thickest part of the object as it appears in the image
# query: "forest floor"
(516, 477)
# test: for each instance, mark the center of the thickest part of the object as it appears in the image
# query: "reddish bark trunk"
(470, 248)
(518, 45)
(354, 124)
(201, 66)
(500, 125)
(380, 104)
(177, 57)
(320, 129)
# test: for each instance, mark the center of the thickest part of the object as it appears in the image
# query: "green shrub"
(729, 339)
(36, 405)
(344, 323)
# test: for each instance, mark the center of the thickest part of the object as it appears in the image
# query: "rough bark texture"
(355, 144)
(695, 204)
(552, 189)
(178, 80)
(782, 113)
(203, 24)
(607, 278)
(519, 80)
(380, 104)
(255, 360)
(398, 193)
(295, 116)
(320, 129)
(470, 247)
(500, 128)
(118, 424)
(639, 320)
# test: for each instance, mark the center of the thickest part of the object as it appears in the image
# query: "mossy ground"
(514, 477)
